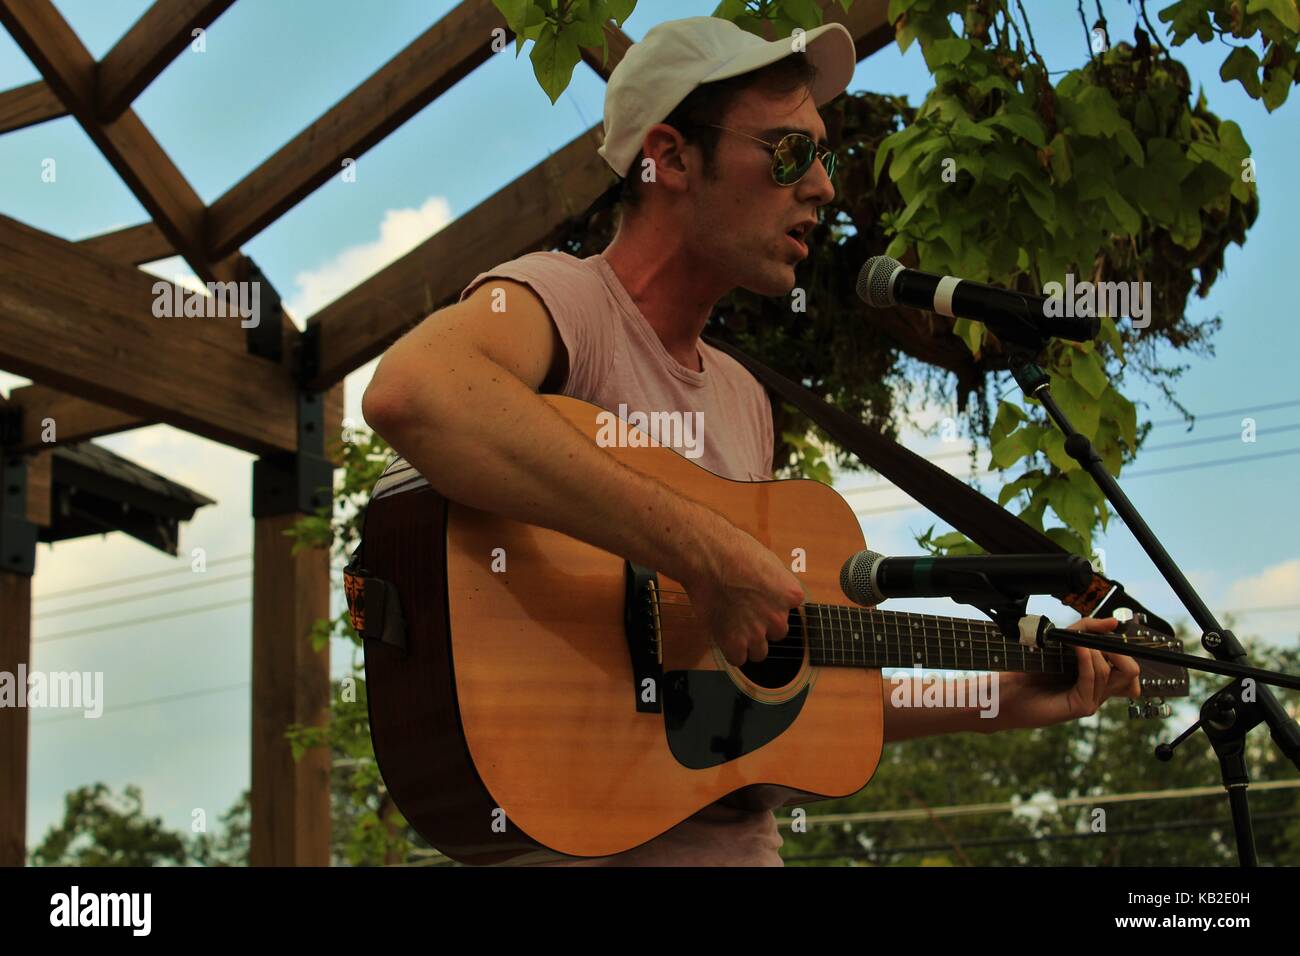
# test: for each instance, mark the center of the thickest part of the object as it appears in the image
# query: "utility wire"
(111, 602)
(44, 596)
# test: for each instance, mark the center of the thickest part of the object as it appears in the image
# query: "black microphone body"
(868, 578)
(1015, 317)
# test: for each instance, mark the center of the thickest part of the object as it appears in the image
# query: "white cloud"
(400, 232)
(1278, 584)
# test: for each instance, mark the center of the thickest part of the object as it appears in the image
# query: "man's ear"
(667, 158)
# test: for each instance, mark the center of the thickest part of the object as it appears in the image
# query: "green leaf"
(1130, 223)
(1025, 482)
(1053, 446)
(972, 333)
(1242, 64)
(1067, 540)
(942, 52)
(1086, 369)
(620, 10)
(968, 129)
(1079, 407)
(805, 13)
(1008, 417)
(1026, 127)
(915, 205)
(893, 142)
(514, 12)
(1129, 143)
(1060, 147)
(1284, 10)
(1073, 507)
(1021, 442)
(1124, 413)
(554, 56)
(1276, 88)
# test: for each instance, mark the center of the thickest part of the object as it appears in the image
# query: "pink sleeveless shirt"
(616, 359)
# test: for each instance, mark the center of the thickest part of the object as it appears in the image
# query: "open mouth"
(799, 236)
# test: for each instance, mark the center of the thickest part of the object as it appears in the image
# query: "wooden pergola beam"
(517, 219)
(84, 324)
(132, 245)
(28, 105)
(157, 38)
(72, 419)
(129, 147)
(434, 62)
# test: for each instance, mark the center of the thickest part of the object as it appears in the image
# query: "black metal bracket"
(11, 424)
(300, 482)
(266, 338)
(308, 353)
(17, 534)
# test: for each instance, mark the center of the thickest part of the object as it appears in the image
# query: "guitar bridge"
(641, 627)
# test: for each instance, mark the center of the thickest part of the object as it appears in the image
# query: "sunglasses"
(792, 156)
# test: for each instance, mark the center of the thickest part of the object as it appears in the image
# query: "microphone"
(869, 578)
(1014, 317)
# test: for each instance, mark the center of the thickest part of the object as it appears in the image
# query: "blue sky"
(176, 718)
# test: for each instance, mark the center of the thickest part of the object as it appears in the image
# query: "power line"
(132, 580)
(170, 698)
(1006, 806)
(110, 602)
(79, 632)
(1228, 413)
(1172, 421)
(1223, 824)
(1236, 459)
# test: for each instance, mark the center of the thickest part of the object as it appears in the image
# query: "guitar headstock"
(1158, 679)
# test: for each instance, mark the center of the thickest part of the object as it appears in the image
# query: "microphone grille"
(855, 578)
(876, 281)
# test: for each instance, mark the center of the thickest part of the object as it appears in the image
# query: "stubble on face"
(742, 214)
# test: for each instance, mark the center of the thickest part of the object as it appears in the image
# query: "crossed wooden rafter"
(76, 317)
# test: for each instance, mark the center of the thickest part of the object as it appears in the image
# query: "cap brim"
(829, 47)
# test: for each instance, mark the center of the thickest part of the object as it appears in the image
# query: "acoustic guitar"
(533, 697)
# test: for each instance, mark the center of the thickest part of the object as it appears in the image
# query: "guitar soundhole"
(784, 658)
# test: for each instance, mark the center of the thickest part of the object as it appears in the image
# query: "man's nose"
(816, 185)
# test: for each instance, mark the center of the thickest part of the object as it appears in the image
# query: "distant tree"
(100, 829)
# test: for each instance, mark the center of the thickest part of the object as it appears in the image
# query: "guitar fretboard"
(862, 637)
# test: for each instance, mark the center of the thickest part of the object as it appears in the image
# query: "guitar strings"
(955, 642)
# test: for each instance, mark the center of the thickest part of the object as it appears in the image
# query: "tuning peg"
(1166, 710)
(1139, 618)
(1134, 712)
(1149, 711)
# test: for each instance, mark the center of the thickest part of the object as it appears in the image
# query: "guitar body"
(509, 728)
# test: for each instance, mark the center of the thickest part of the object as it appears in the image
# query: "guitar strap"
(986, 523)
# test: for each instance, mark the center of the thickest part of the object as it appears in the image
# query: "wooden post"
(290, 799)
(18, 498)
(15, 650)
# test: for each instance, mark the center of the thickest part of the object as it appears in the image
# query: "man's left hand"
(1034, 700)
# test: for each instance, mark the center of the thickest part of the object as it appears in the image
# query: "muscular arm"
(457, 398)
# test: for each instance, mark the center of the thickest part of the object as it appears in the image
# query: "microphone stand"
(1230, 713)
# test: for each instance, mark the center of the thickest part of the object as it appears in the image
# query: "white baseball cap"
(676, 56)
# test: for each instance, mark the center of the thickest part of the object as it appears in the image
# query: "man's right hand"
(742, 595)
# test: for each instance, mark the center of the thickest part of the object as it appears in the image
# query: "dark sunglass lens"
(792, 158)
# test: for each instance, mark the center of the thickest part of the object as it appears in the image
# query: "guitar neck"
(863, 637)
